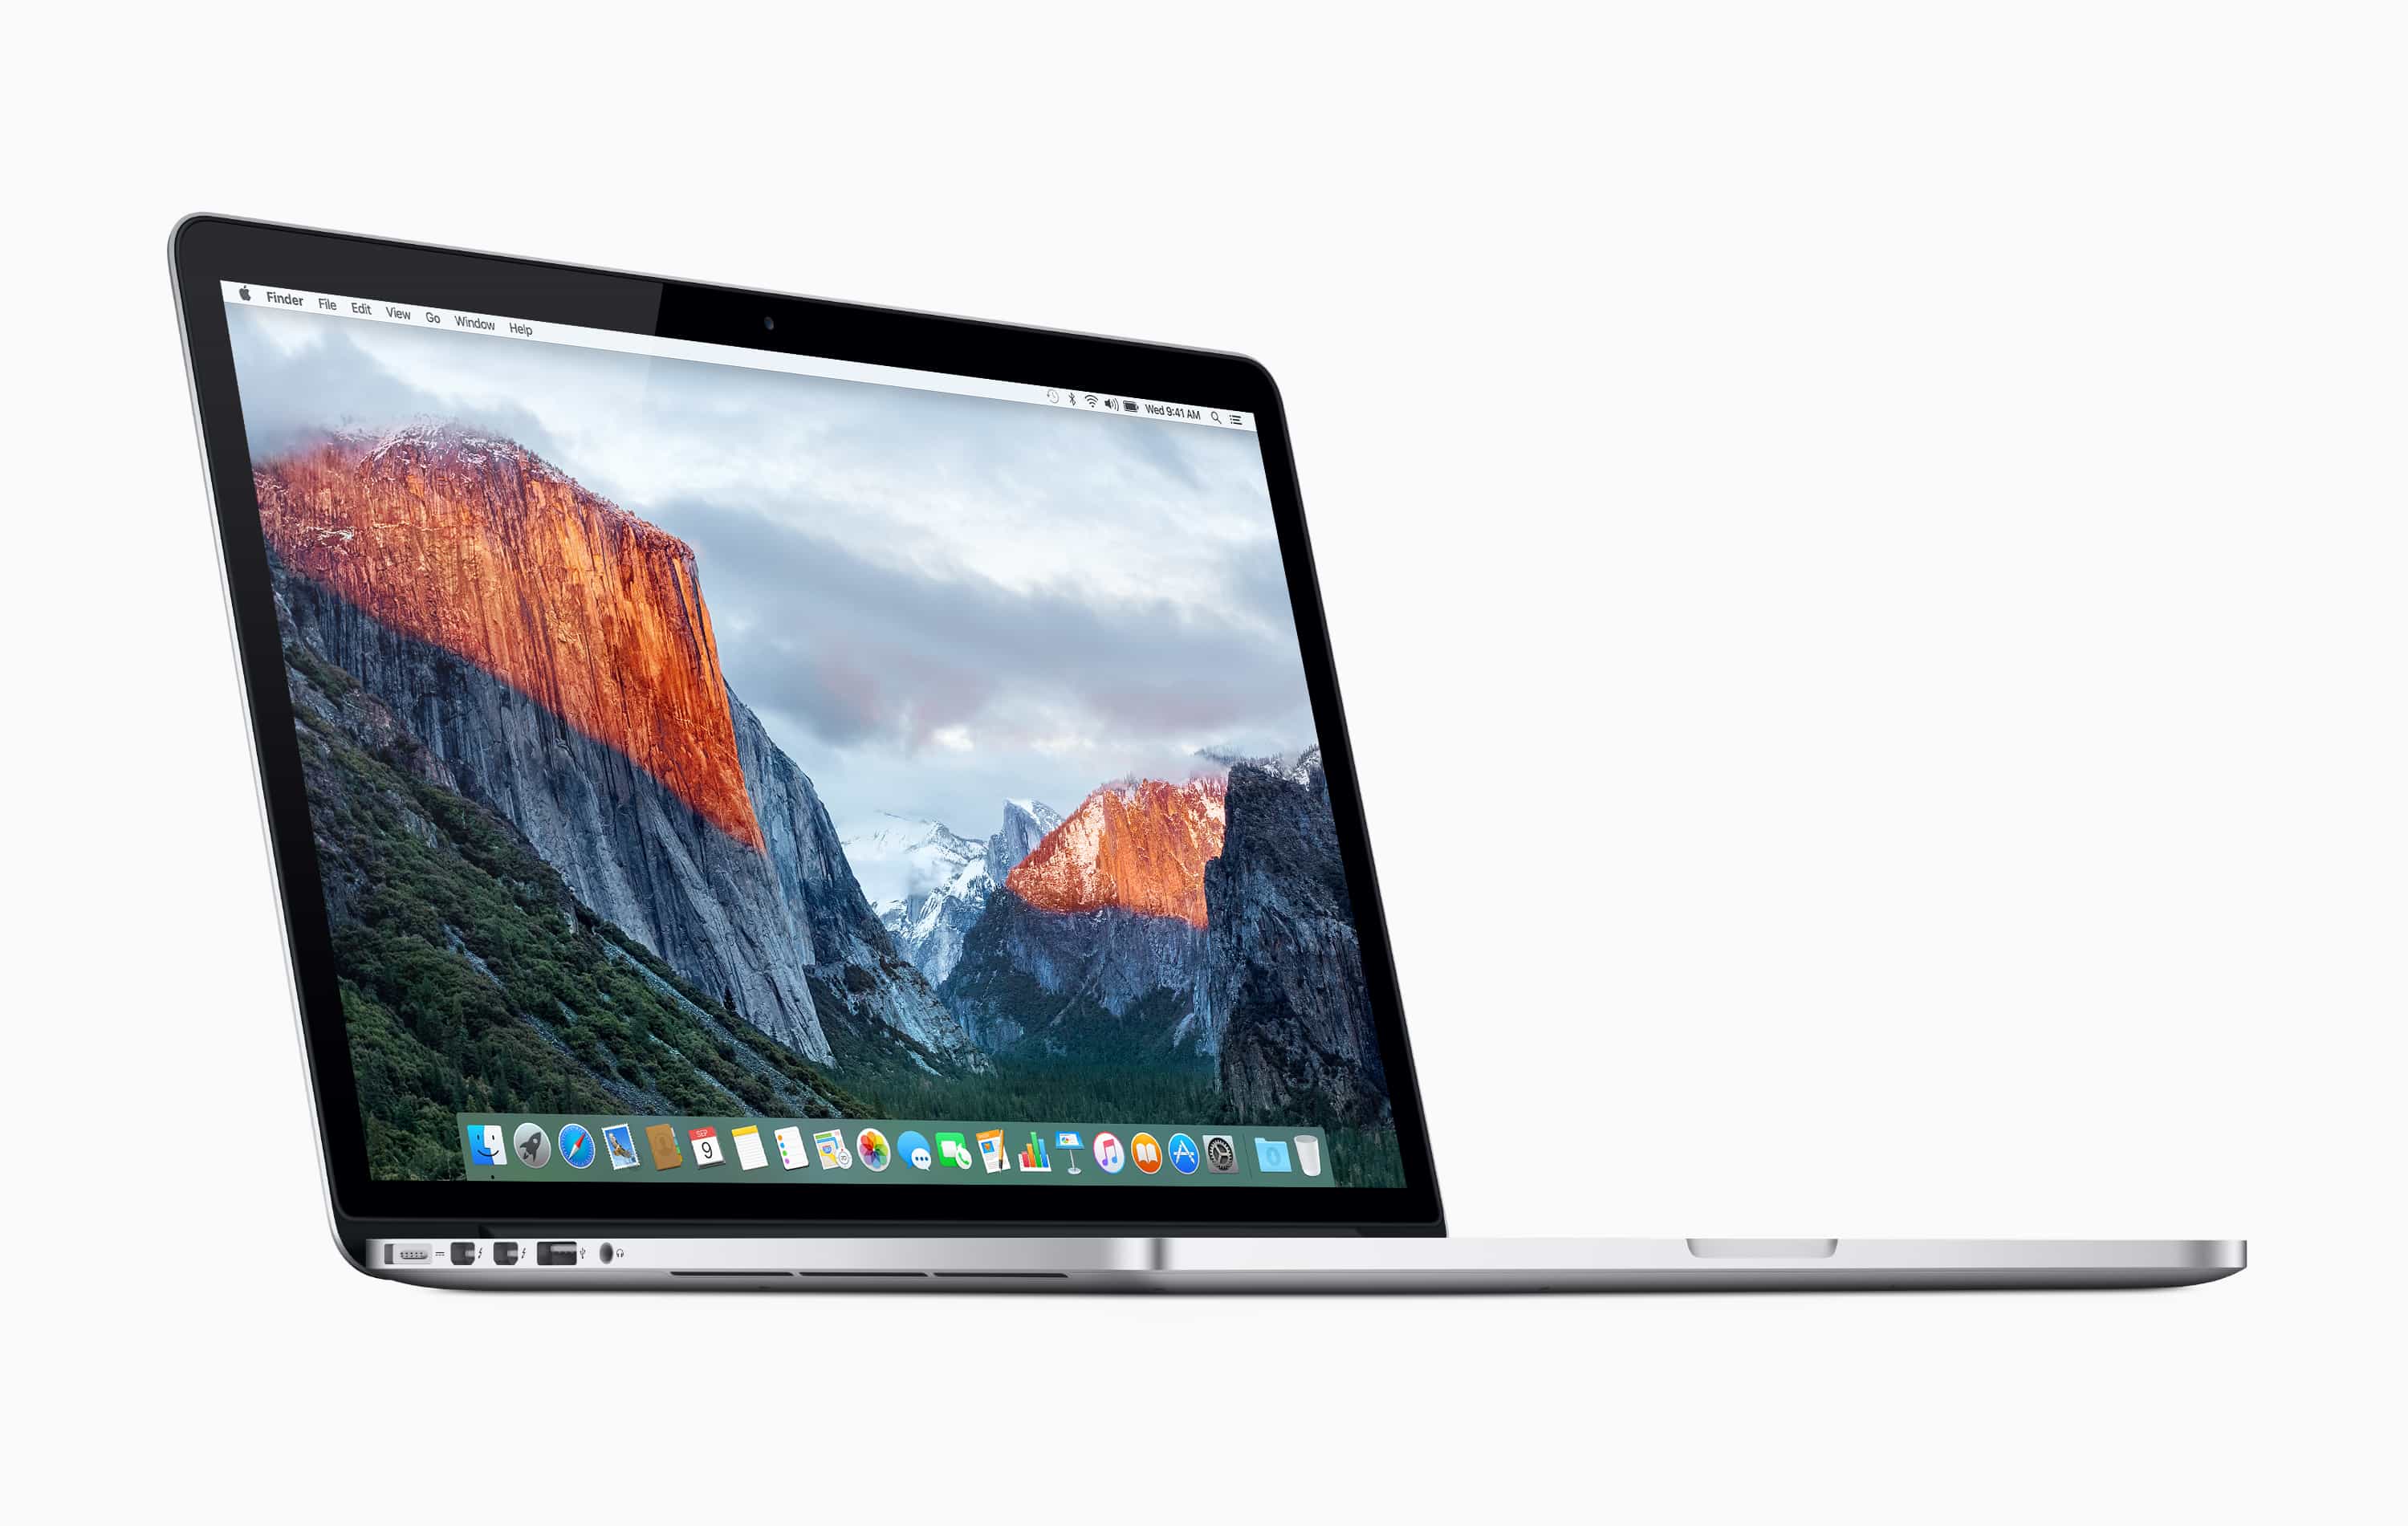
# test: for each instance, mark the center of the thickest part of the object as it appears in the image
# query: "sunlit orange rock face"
(481, 548)
(1141, 846)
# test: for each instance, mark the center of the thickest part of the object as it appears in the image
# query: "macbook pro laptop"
(774, 793)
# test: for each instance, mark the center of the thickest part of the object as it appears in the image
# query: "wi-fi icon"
(1091, 399)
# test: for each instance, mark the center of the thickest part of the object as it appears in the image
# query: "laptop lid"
(740, 762)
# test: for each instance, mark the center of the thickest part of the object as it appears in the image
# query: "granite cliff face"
(1140, 845)
(553, 656)
(630, 848)
(1108, 984)
(862, 969)
(1025, 826)
(474, 979)
(1284, 1000)
(482, 549)
(1094, 947)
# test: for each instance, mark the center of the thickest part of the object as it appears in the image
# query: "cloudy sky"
(935, 602)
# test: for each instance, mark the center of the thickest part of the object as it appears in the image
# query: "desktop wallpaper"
(693, 739)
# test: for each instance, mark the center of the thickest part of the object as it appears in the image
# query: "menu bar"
(558, 1147)
(522, 330)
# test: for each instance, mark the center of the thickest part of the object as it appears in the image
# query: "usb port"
(556, 1252)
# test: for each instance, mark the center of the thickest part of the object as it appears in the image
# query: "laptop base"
(1302, 1264)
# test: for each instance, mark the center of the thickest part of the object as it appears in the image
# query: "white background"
(1875, 654)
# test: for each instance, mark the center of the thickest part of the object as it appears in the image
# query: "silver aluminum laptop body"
(753, 1240)
(1309, 1265)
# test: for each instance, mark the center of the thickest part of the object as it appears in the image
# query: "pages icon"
(991, 1150)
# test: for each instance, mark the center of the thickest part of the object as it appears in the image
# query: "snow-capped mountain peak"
(929, 883)
(898, 858)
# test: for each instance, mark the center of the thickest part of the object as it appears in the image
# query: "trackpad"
(1788, 1249)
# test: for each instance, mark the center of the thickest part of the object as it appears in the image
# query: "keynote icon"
(1067, 1143)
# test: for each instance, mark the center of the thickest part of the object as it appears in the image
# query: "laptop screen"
(731, 766)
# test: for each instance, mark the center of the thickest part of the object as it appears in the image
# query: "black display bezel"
(205, 250)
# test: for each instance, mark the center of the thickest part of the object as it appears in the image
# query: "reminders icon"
(791, 1151)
